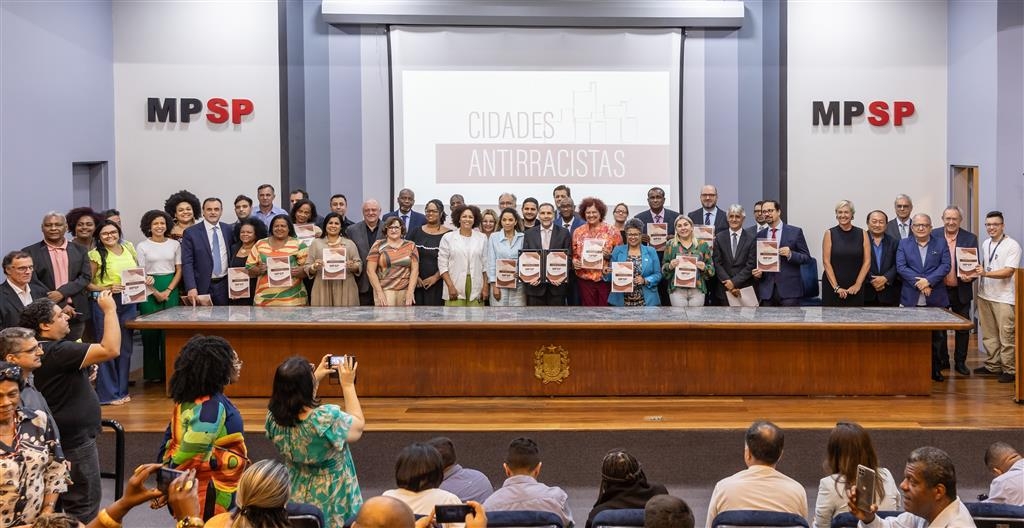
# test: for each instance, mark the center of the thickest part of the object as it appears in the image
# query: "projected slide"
(487, 130)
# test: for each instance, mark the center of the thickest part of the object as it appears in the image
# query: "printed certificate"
(238, 284)
(335, 264)
(622, 277)
(768, 255)
(279, 272)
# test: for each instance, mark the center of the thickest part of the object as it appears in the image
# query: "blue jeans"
(82, 499)
(112, 379)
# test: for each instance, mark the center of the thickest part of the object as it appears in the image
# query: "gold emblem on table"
(551, 364)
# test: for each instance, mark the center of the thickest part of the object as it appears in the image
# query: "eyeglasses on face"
(920, 226)
(38, 347)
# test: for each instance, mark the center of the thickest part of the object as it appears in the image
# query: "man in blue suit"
(786, 286)
(960, 288)
(411, 219)
(204, 255)
(922, 261)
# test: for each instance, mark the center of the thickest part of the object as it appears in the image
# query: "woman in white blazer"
(850, 445)
(461, 260)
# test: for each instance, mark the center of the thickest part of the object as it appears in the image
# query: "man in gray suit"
(735, 255)
(899, 227)
(363, 235)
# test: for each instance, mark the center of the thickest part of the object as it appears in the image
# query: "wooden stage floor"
(968, 403)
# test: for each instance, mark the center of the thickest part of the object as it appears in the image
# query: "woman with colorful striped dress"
(280, 243)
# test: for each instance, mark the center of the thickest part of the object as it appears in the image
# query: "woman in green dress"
(314, 439)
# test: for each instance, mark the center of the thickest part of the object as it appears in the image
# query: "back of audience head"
(204, 367)
(292, 391)
(1000, 456)
(620, 468)
(764, 443)
(849, 444)
(419, 467)
(56, 520)
(446, 448)
(666, 511)
(523, 457)
(263, 492)
(384, 512)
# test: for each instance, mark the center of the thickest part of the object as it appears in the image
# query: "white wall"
(865, 51)
(201, 50)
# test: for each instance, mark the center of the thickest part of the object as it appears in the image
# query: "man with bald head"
(922, 261)
(709, 212)
(389, 512)
(363, 234)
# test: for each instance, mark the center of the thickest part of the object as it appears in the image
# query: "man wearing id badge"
(1000, 256)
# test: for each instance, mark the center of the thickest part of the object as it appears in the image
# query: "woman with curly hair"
(623, 484)
(82, 222)
(110, 258)
(206, 430)
(161, 258)
(314, 439)
(248, 231)
(182, 206)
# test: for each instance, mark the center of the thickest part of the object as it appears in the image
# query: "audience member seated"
(1008, 466)
(205, 433)
(465, 483)
(32, 468)
(63, 379)
(521, 491)
(262, 498)
(929, 494)
(419, 472)
(623, 485)
(666, 511)
(389, 512)
(314, 439)
(849, 445)
(760, 486)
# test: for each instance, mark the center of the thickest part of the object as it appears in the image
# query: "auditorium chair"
(758, 518)
(523, 519)
(304, 515)
(847, 520)
(625, 518)
(993, 515)
(809, 275)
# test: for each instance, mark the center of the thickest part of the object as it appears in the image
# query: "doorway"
(89, 184)
(963, 192)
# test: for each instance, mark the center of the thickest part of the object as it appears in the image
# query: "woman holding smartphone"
(314, 438)
(849, 445)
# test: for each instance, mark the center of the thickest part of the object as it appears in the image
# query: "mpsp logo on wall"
(183, 110)
(828, 113)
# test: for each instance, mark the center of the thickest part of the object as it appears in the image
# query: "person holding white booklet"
(683, 249)
(503, 250)
(644, 268)
(324, 253)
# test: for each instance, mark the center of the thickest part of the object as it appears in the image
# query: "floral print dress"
(30, 469)
(316, 451)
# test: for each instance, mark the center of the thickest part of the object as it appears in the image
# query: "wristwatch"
(836, 290)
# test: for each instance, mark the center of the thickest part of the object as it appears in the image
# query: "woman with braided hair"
(623, 484)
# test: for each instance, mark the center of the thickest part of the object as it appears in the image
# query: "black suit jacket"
(721, 222)
(560, 239)
(738, 267)
(79, 274)
(890, 295)
(359, 236)
(668, 215)
(964, 239)
(893, 229)
(11, 306)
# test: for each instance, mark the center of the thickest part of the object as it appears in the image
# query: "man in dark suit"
(709, 212)
(363, 234)
(786, 286)
(546, 236)
(411, 219)
(959, 288)
(899, 227)
(567, 217)
(883, 285)
(923, 262)
(19, 290)
(204, 255)
(64, 269)
(657, 214)
(735, 255)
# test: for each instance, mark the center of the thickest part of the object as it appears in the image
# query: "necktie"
(217, 270)
(707, 218)
(657, 219)
(773, 233)
(567, 225)
(405, 220)
(735, 242)
(903, 230)
(547, 238)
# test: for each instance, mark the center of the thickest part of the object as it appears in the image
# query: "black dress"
(234, 261)
(426, 245)
(847, 259)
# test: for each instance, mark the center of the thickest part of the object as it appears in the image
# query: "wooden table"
(437, 351)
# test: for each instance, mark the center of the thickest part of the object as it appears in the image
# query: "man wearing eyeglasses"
(923, 261)
(19, 346)
(19, 289)
(1000, 256)
(899, 227)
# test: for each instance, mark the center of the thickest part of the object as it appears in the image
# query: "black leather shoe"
(937, 376)
(1007, 378)
(944, 365)
(962, 369)
(985, 372)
